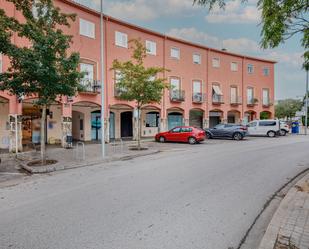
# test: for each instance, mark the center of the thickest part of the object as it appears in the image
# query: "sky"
(237, 29)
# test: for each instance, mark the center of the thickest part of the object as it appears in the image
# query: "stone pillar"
(224, 118)
(206, 123)
(66, 123)
(163, 124)
(15, 127)
(135, 124)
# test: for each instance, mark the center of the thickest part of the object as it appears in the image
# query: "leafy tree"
(287, 108)
(280, 21)
(42, 68)
(137, 82)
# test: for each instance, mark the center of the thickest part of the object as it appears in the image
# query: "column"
(15, 123)
(66, 124)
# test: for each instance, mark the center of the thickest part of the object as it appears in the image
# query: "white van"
(267, 127)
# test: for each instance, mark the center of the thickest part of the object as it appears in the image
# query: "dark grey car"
(234, 131)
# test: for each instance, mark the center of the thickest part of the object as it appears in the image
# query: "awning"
(217, 90)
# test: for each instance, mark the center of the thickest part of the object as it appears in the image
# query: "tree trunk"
(43, 125)
(139, 129)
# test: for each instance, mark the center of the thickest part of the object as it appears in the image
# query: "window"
(88, 69)
(234, 66)
(1, 63)
(186, 129)
(175, 53)
(265, 71)
(86, 28)
(152, 119)
(196, 58)
(197, 87)
(250, 95)
(250, 68)
(175, 84)
(266, 97)
(233, 94)
(35, 10)
(121, 39)
(267, 123)
(151, 47)
(217, 95)
(176, 130)
(215, 62)
(252, 124)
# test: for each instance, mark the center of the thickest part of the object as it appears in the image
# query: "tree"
(137, 82)
(287, 108)
(280, 21)
(42, 69)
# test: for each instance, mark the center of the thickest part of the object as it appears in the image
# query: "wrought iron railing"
(236, 101)
(198, 97)
(177, 95)
(217, 99)
(91, 86)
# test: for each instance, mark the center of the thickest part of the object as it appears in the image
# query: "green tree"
(287, 108)
(42, 68)
(280, 21)
(137, 82)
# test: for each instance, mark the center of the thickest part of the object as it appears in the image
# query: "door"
(126, 124)
(253, 128)
(174, 119)
(111, 125)
(213, 121)
(174, 135)
(96, 125)
(218, 130)
(186, 132)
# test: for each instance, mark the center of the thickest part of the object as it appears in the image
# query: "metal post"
(102, 80)
(306, 103)
(16, 134)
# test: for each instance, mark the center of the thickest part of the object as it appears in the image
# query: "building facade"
(209, 86)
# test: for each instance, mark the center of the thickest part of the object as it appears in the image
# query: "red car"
(186, 134)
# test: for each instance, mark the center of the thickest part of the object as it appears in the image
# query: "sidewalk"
(289, 227)
(76, 157)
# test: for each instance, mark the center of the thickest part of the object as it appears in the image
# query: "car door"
(174, 134)
(218, 130)
(253, 128)
(185, 134)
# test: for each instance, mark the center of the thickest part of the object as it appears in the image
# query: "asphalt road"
(193, 197)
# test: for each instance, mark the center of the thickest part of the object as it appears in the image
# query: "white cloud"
(241, 45)
(235, 12)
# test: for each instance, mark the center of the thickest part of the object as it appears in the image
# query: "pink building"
(209, 86)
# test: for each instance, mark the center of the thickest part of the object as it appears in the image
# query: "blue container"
(295, 128)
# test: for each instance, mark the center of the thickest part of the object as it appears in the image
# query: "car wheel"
(162, 139)
(208, 135)
(237, 136)
(282, 132)
(271, 134)
(192, 140)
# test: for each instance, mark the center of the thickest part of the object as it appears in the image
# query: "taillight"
(244, 128)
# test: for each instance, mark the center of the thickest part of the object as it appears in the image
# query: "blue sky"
(236, 28)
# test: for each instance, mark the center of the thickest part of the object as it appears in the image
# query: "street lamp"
(306, 100)
(102, 81)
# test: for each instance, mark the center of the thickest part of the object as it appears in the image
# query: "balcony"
(118, 91)
(252, 102)
(217, 99)
(236, 101)
(267, 103)
(90, 86)
(198, 98)
(177, 95)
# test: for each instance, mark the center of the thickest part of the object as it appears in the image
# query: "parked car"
(187, 134)
(284, 128)
(234, 131)
(267, 127)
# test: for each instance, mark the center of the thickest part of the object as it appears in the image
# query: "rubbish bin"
(295, 128)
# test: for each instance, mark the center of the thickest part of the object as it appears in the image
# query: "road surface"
(192, 197)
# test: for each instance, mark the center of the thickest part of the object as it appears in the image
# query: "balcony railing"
(236, 101)
(177, 95)
(267, 103)
(118, 91)
(198, 98)
(217, 99)
(90, 86)
(252, 102)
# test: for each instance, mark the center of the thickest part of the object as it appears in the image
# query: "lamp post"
(102, 80)
(306, 101)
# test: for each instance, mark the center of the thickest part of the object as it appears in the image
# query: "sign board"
(300, 113)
